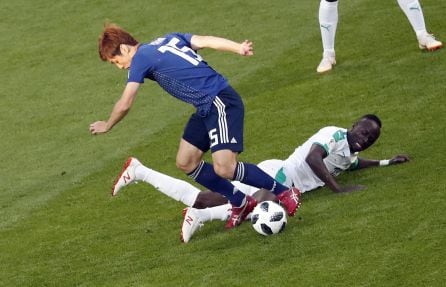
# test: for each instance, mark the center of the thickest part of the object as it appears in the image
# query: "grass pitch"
(60, 227)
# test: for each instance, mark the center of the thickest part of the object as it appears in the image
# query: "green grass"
(59, 226)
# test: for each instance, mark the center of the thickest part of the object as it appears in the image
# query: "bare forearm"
(318, 167)
(119, 111)
(366, 163)
(315, 159)
(222, 44)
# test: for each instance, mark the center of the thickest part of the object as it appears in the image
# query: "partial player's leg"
(225, 126)
(414, 13)
(180, 190)
(209, 199)
(223, 212)
(191, 223)
(204, 173)
(271, 167)
(194, 218)
(328, 21)
(252, 175)
(194, 143)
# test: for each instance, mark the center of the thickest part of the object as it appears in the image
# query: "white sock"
(221, 212)
(177, 189)
(328, 22)
(414, 13)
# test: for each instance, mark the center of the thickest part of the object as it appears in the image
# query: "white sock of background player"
(328, 22)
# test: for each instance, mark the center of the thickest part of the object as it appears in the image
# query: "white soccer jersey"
(295, 171)
(339, 158)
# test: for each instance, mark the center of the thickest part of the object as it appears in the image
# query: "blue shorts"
(222, 128)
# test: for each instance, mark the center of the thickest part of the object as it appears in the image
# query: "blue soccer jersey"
(179, 70)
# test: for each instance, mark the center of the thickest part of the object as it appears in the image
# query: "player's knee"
(185, 166)
(224, 170)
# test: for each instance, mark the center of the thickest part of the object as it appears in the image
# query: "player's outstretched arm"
(119, 111)
(366, 163)
(244, 48)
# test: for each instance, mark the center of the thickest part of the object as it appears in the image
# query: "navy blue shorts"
(222, 128)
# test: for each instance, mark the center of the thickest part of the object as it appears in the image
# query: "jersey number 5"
(185, 52)
(213, 136)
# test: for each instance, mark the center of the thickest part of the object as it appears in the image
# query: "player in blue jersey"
(172, 61)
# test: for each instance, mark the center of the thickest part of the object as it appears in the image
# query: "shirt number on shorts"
(213, 136)
(185, 52)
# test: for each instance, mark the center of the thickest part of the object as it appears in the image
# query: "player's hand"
(399, 159)
(351, 188)
(98, 127)
(246, 48)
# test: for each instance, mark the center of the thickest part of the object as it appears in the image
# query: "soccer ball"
(268, 218)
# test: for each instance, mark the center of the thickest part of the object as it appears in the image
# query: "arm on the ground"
(315, 159)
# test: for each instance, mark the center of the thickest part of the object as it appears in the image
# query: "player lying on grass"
(313, 164)
(328, 21)
(217, 125)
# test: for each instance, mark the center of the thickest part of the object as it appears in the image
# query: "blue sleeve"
(139, 68)
(186, 37)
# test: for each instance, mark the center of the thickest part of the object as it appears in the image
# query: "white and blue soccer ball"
(268, 218)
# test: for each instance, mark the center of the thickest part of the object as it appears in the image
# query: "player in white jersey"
(328, 21)
(313, 164)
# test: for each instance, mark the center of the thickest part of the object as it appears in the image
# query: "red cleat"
(240, 213)
(290, 199)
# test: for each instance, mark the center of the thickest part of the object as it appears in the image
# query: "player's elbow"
(199, 42)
